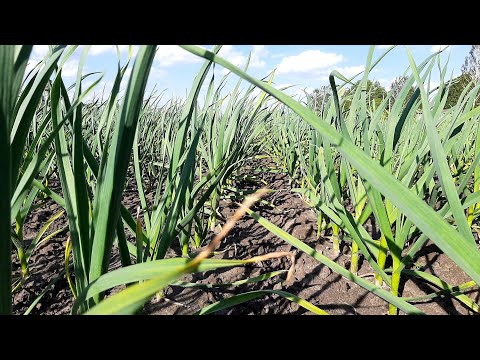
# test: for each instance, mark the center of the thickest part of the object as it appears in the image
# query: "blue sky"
(305, 66)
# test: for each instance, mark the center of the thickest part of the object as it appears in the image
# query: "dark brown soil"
(46, 263)
(312, 281)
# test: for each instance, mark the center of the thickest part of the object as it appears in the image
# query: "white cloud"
(383, 46)
(102, 49)
(349, 71)
(168, 55)
(70, 68)
(258, 52)
(39, 52)
(308, 61)
(229, 53)
(386, 83)
(436, 48)
(237, 58)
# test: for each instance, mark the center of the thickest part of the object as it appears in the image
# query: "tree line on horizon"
(470, 74)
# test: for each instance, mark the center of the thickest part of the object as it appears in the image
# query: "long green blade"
(112, 174)
(6, 106)
(242, 298)
(146, 271)
(129, 300)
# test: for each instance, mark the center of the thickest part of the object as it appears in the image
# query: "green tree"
(375, 93)
(319, 98)
(471, 66)
(456, 87)
(397, 86)
(470, 71)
